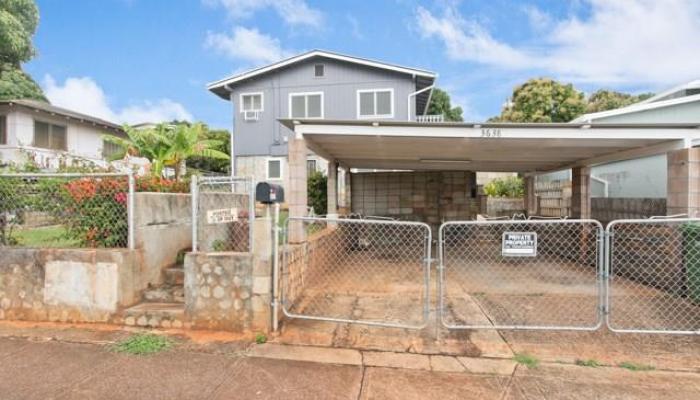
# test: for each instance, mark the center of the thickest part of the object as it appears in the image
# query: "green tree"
(543, 100)
(317, 192)
(191, 140)
(440, 105)
(511, 186)
(603, 100)
(18, 23)
(221, 136)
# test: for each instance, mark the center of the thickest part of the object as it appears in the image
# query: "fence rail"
(66, 210)
(223, 212)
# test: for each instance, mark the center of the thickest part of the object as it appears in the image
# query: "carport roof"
(494, 147)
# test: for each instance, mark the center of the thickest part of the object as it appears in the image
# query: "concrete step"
(156, 315)
(165, 294)
(175, 275)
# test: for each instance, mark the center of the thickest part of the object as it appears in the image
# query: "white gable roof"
(320, 53)
(637, 107)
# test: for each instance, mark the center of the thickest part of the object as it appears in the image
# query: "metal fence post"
(130, 212)
(194, 193)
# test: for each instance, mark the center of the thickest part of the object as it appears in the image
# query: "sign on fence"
(519, 244)
(222, 216)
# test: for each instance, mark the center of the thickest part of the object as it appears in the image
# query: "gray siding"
(339, 86)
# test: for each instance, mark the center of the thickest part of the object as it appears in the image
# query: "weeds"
(260, 338)
(588, 363)
(526, 360)
(635, 367)
(143, 343)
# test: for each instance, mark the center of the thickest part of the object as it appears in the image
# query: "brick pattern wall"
(683, 191)
(426, 196)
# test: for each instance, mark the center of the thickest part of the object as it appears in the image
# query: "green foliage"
(219, 245)
(317, 192)
(46, 236)
(543, 100)
(603, 100)
(588, 363)
(168, 145)
(440, 105)
(220, 165)
(143, 344)
(635, 366)
(511, 186)
(15, 84)
(526, 360)
(18, 22)
(260, 338)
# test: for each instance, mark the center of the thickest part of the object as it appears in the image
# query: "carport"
(530, 149)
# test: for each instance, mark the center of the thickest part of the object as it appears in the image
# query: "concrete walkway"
(54, 362)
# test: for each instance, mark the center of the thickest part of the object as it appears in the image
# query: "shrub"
(317, 192)
(511, 186)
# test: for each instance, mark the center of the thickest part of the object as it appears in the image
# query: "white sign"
(519, 244)
(223, 216)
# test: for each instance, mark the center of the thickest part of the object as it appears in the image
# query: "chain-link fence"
(654, 275)
(521, 274)
(223, 210)
(66, 210)
(361, 271)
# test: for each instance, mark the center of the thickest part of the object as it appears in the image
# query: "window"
(109, 149)
(310, 166)
(375, 103)
(251, 102)
(306, 105)
(319, 70)
(3, 129)
(50, 136)
(274, 168)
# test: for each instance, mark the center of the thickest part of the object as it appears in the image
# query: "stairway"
(162, 306)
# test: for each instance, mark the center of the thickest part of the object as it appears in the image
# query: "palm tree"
(166, 145)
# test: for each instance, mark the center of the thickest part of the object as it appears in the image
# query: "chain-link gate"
(370, 272)
(654, 276)
(515, 274)
(223, 210)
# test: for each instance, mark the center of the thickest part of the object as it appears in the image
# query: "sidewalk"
(70, 363)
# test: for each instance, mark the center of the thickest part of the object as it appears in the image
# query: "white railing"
(430, 118)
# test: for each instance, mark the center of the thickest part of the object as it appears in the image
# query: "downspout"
(414, 94)
(233, 129)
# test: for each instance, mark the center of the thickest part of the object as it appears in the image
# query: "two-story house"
(50, 135)
(316, 84)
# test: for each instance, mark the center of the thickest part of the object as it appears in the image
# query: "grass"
(143, 343)
(260, 338)
(588, 363)
(45, 236)
(526, 360)
(635, 367)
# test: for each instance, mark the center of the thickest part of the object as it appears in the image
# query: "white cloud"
(248, 45)
(635, 41)
(539, 19)
(83, 94)
(293, 12)
(355, 27)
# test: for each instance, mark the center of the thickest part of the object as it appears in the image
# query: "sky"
(131, 61)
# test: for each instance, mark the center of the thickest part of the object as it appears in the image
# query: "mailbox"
(269, 193)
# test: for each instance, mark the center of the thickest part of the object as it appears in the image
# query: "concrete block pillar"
(297, 196)
(683, 185)
(332, 189)
(347, 192)
(530, 196)
(581, 193)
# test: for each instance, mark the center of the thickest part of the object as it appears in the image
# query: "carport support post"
(580, 193)
(332, 189)
(683, 185)
(297, 198)
(530, 196)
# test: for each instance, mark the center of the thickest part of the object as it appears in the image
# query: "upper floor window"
(3, 129)
(251, 102)
(50, 136)
(319, 70)
(306, 105)
(375, 103)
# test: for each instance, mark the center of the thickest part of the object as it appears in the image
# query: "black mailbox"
(269, 193)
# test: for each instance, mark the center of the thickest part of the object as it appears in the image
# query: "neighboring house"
(52, 135)
(314, 85)
(644, 177)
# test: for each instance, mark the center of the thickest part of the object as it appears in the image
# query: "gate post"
(581, 193)
(298, 201)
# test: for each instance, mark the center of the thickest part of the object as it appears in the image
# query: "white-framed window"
(306, 105)
(319, 70)
(109, 149)
(3, 129)
(252, 102)
(311, 166)
(375, 103)
(50, 136)
(274, 168)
